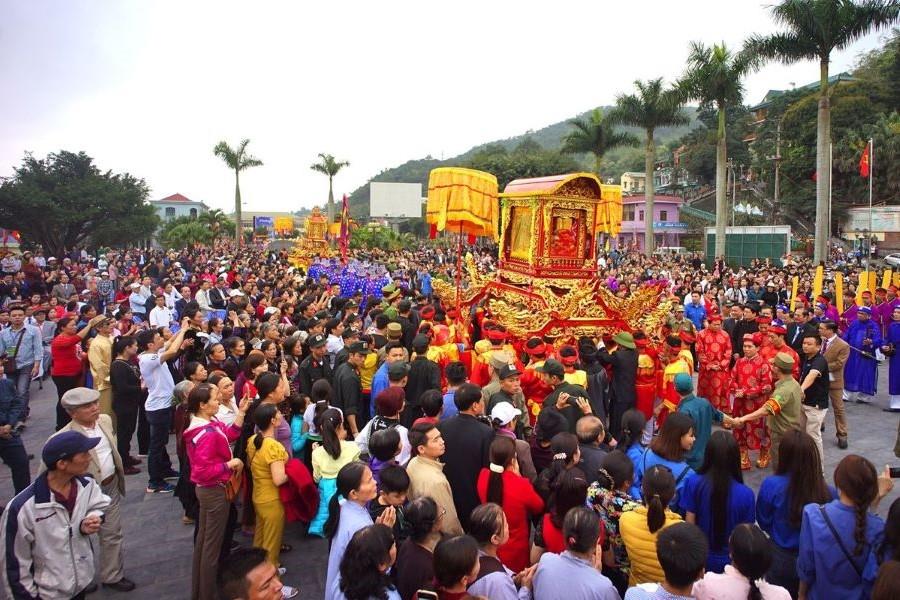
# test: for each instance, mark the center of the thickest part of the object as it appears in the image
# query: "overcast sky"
(150, 87)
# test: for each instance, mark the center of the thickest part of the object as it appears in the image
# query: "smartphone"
(895, 472)
(426, 595)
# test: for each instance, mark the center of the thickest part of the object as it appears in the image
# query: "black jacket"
(468, 443)
(805, 330)
(423, 375)
(311, 370)
(742, 328)
(348, 393)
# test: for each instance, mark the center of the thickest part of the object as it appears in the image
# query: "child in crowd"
(384, 447)
(432, 404)
(327, 460)
(681, 552)
(392, 492)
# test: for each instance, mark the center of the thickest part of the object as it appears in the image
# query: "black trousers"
(126, 420)
(64, 383)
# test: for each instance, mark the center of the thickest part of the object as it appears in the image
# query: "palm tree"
(596, 136)
(814, 29)
(714, 78)
(217, 221)
(650, 108)
(330, 167)
(238, 160)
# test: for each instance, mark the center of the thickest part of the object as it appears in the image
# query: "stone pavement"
(158, 546)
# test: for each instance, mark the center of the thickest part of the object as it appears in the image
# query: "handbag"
(9, 362)
(233, 485)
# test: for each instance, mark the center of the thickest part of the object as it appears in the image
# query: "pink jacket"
(207, 444)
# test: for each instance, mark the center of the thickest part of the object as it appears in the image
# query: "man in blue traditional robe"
(891, 348)
(861, 372)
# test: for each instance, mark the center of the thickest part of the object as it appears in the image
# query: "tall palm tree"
(650, 108)
(327, 165)
(714, 78)
(217, 222)
(595, 135)
(813, 29)
(238, 160)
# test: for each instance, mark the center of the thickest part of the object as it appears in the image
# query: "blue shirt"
(697, 498)
(652, 591)
(822, 563)
(681, 471)
(353, 518)
(450, 409)
(31, 350)
(696, 313)
(704, 415)
(568, 577)
(380, 383)
(773, 510)
(635, 452)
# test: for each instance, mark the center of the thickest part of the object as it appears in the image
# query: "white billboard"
(395, 199)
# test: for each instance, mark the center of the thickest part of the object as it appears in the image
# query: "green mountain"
(550, 138)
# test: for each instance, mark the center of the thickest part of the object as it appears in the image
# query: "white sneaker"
(289, 592)
(281, 571)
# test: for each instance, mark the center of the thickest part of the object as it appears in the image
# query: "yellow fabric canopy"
(463, 200)
(609, 212)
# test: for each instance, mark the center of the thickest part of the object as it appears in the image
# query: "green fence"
(742, 248)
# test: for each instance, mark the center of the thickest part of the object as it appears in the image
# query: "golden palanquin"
(313, 244)
(549, 225)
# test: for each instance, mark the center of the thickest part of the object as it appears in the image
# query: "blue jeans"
(158, 463)
(22, 379)
(12, 451)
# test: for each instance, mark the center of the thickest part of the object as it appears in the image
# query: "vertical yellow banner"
(839, 292)
(897, 279)
(863, 286)
(817, 282)
(873, 283)
(794, 285)
(886, 278)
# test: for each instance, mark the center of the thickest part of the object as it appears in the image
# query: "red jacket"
(520, 501)
(299, 495)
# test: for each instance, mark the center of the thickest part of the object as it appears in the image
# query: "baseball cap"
(504, 412)
(500, 359)
(79, 396)
(317, 340)
(360, 347)
(552, 367)
(65, 445)
(507, 371)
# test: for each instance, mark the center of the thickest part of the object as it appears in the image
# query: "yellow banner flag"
(839, 292)
(886, 278)
(897, 279)
(794, 285)
(863, 286)
(873, 282)
(817, 281)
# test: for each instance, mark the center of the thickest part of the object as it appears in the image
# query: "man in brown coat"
(836, 352)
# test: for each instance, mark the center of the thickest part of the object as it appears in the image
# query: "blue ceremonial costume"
(893, 339)
(861, 372)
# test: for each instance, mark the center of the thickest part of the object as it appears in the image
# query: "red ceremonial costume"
(753, 378)
(714, 356)
(769, 352)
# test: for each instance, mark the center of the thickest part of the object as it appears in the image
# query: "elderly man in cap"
(106, 467)
(508, 389)
(861, 371)
(100, 358)
(783, 409)
(621, 353)
(568, 399)
(46, 529)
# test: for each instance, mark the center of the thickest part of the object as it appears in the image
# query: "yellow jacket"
(641, 545)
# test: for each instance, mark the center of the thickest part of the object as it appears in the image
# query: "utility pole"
(777, 165)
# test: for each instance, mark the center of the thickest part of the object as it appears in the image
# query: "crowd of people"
(440, 457)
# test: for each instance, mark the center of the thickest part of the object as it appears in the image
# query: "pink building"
(666, 224)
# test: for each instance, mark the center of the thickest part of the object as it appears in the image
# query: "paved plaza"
(158, 546)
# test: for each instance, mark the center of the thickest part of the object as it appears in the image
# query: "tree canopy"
(65, 200)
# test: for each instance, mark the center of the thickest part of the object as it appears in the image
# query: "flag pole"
(871, 172)
(830, 178)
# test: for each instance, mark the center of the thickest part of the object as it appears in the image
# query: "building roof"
(634, 174)
(809, 87)
(177, 198)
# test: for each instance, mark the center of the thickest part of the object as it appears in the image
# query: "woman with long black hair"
(364, 568)
(716, 499)
(797, 482)
(327, 461)
(356, 487)
(415, 557)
